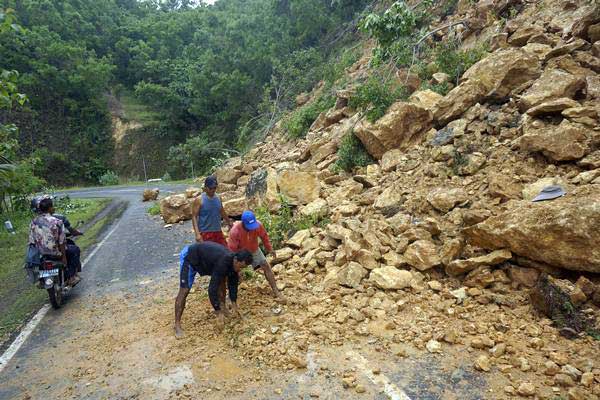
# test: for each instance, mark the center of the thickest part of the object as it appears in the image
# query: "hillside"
(404, 213)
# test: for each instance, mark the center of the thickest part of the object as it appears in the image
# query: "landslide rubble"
(438, 240)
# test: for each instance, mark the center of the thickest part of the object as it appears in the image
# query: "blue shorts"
(187, 272)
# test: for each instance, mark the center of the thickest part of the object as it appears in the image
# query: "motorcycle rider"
(45, 230)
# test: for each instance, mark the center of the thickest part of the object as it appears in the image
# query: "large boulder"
(227, 175)
(192, 192)
(391, 278)
(552, 85)
(150, 194)
(175, 208)
(262, 188)
(235, 206)
(403, 125)
(445, 199)
(562, 232)
(563, 142)
(299, 187)
(496, 76)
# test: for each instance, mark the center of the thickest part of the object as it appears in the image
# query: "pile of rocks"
(438, 242)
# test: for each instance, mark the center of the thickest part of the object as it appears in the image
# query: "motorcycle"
(51, 274)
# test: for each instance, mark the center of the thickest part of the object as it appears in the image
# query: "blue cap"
(210, 182)
(249, 220)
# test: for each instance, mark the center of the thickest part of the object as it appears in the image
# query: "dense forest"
(211, 74)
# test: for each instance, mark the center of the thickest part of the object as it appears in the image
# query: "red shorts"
(216, 237)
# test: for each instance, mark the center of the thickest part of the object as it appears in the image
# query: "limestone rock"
(552, 107)
(262, 186)
(282, 255)
(422, 255)
(390, 159)
(235, 206)
(567, 141)
(298, 186)
(562, 232)
(391, 278)
(440, 77)
(192, 192)
(495, 76)
(504, 186)
(390, 201)
(445, 199)
(403, 125)
(553, 84)
(523, 276)
(526, 389)
(473, 163)
(482, 363)
(227, 175)
(433, 346)
(322, 149)
(150, 194)
(351, 275)
(458, 267)
(299, 237)
(318, 208)
(426, 99)
(175, 208)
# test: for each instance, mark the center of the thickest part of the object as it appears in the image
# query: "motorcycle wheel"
(55, 295)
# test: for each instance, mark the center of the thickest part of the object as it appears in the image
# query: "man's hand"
(199, 237)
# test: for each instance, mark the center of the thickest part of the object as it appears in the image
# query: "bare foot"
(281, 299)
(179, 332)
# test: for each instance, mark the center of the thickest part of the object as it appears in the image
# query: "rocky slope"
(438, 243)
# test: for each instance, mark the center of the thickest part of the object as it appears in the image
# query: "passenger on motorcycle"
(47, 233)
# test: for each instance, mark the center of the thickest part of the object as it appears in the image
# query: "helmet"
(35, 202)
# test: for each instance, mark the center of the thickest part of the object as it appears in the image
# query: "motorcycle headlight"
(49, 281)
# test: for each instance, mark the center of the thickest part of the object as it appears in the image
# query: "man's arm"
(62, 241)
(213, 290)
(224, 215)
(196, 206)
(232, 282)
(264, 236)
(233, 242)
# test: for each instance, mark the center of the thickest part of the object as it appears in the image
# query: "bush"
(283, 224)
(298, 123)
(109, 178)
(154, 209)
(351, 154)
(451, 60)
(166, 177)
(375, 96)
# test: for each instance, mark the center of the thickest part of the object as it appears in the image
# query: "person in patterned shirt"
(47, 233)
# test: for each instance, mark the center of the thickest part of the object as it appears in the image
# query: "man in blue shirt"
(208, 258)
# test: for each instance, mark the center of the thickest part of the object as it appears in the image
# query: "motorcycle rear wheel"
(55, 296)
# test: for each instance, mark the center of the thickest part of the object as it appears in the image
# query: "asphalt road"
(135, 250)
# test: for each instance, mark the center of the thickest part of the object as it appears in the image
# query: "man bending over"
(208, 258)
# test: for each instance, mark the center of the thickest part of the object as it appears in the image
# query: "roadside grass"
(188, 181)
(18, 297)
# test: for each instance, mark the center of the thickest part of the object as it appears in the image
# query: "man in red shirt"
(244, 236)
